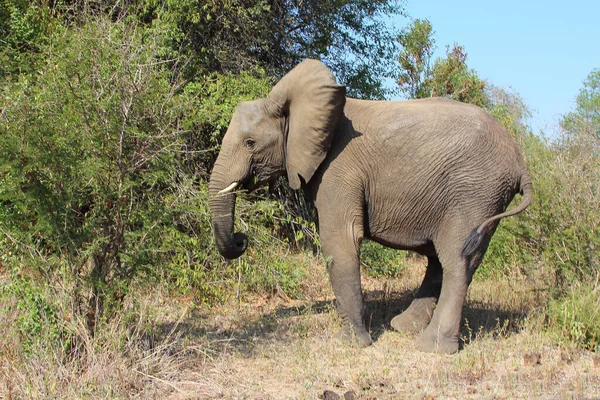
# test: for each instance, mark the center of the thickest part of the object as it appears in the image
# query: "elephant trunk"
(222, 208)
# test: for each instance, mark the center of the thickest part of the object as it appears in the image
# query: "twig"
(158, 379)
(237, 295)
(183, 314)
(18, 242)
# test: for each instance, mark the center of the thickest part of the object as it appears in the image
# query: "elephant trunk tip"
(236, 248)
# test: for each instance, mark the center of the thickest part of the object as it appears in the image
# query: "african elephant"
(434, 176)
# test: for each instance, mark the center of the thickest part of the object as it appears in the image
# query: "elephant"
(433, 176)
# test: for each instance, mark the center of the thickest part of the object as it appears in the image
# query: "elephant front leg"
(345, 280)
(418, 315)
(343, 266)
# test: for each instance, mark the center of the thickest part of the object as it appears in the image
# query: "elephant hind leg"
(441, 335)
(418, 315)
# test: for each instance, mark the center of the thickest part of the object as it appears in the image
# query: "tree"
(509, 108)
(583, 123)
(350, 36)
(452, 78)
(449, 77)
(418, 45)
(353, 37)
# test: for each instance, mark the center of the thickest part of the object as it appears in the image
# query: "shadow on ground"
(478, 319)
(282, 323)
(245, 333)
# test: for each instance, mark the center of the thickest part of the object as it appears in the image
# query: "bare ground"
(277, 348)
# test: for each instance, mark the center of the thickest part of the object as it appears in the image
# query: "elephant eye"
(250, 143)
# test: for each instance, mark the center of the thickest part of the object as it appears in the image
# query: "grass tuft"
(575, 317)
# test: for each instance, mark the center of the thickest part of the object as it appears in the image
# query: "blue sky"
(543, 50)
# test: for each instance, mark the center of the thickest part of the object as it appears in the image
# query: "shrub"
(574, 317)
(103, 157)
(30, 312)
(86, 153)
(382, 261)
(559, 231)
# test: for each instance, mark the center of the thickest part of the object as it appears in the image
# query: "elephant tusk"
(229, 188)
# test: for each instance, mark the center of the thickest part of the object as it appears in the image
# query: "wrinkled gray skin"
(433, 176)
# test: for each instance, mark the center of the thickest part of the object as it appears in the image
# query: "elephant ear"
(313, 102)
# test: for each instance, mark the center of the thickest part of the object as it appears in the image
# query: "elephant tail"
(476, 236)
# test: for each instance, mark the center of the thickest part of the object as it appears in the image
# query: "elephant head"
(289, 132)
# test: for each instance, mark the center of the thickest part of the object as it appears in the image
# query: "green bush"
(33, 316)
(380, 261)
(575, 317)
(562, 221)
(104, 155)
(25, 27)
(85, 152)
(559, 229)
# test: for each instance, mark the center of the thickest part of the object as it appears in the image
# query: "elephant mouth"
(252, 183)
(260, 177)
(247, 185)
(254, 180)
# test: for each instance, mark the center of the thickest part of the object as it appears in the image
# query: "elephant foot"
(416, 317)
(360, 336)
(432, 343)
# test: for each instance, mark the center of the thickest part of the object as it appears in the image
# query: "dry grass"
(275, 348)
